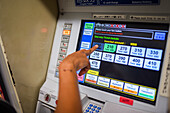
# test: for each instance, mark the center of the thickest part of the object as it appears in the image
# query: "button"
(95, 106)
(59, 62)
(56, 102)
(63, 51)
(61, 56)
(57, 68)
(87, 110)
(67, 32)
(93, 109)
(64, 45)
(99, 108)
(97, 111)
(65, 39)
(56, 74)
(90, 105)
(67, 26)
(47, 97)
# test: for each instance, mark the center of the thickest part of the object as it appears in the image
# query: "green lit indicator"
(146, 96)
(88, 25)
(109, 47)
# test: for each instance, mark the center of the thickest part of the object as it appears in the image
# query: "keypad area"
(93, 108)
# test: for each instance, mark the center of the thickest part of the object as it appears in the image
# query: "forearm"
(69, 98)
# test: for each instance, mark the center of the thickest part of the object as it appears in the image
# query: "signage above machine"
(115, 2)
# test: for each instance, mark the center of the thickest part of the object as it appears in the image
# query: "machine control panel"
(63, 45)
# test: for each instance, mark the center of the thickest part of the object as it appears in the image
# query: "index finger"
(88, 52)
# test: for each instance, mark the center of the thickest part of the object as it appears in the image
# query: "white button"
(63, 51)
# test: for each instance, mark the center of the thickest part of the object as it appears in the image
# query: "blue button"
(93, 109)
(97, 111)
(95, 106)
(99, 108)
(91, 105)
(87, 110)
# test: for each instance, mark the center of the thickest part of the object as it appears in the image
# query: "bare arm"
(69, 98)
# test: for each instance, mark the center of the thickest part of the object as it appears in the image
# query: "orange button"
(126, 101)
(66, 32)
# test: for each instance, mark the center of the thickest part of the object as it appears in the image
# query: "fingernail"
(96, 45)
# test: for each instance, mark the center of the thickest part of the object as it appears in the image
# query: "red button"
(47, 97)
(126, 101)
(56, 102)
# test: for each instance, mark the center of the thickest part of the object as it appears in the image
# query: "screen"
(129, 59)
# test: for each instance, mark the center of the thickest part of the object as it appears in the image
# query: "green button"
(109, 47)
(89, 26)
(145, 95)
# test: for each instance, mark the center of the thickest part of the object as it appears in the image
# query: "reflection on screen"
(129, 59)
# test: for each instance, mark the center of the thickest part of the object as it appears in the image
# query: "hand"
(78, 60)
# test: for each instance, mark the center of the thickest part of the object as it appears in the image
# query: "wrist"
(67, 66)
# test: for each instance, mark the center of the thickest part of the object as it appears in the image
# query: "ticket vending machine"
(130, 69)
(7, 88)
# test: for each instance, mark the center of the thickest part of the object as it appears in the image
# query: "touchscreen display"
(129, 59)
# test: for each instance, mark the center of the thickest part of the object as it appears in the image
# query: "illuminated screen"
(129, 59)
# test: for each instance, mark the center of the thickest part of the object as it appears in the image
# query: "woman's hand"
(78, 60)
(69, 97)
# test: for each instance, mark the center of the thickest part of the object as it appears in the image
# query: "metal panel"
(162, 9)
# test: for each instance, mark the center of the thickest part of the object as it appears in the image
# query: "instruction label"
(114, 2)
